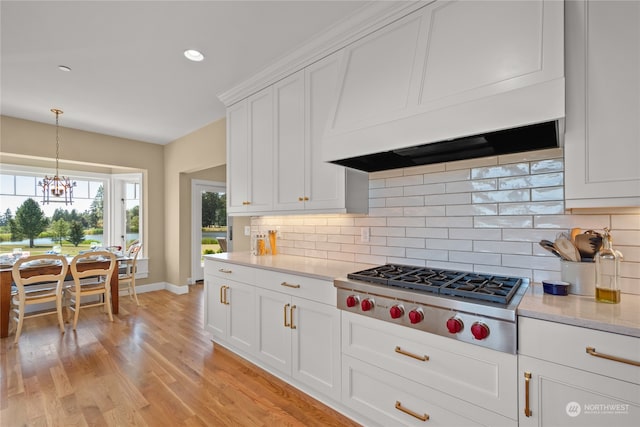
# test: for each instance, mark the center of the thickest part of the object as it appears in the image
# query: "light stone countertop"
(584, 311)
(311, 267)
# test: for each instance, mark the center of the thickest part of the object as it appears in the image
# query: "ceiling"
(129, 76)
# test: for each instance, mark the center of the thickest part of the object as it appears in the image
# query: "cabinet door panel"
(316, 346)
(563, 396)
(261, 150)
(241, 332)
(602, 139)
(216, 313)
(238, 156)
(289, 142)
(274, 338)
(325, 185)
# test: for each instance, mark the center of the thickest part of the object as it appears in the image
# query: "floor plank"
(154, 365)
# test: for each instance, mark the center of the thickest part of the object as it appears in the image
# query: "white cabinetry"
(250, 154)
(452, 383)
(564, 382)
(450, 69)
(229, 309)
(303, 180)
(283, 322)
(602, 139)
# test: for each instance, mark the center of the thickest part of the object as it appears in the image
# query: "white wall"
(483, 215)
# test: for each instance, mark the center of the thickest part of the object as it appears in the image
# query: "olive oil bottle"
(608, 271)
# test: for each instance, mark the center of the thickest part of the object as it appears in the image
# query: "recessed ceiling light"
(193, 55)
(64, 68)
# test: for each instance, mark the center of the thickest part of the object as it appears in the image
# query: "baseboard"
(157, 286)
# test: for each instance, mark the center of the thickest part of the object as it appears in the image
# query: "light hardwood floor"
(153, 366)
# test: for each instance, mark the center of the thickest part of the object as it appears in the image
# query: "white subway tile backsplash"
(443, 177)
(501, 196)
(503, 222)
(484, 215)
(515, 169)
(405, 201)
(472, 210)
(535, 208)
(469, 186)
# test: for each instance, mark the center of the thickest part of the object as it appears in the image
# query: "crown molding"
(365, 20)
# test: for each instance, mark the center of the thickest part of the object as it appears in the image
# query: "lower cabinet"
(400, 376)
(573, 376)
(229, 316)
(300, 338)
(286, 323)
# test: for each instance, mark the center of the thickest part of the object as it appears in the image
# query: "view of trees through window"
(64, 229)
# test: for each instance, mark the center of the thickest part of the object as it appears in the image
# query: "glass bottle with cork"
(608, 271)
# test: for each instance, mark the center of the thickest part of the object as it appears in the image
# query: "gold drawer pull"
(222, 294)
(224, 270)
(592, 351)
(293, 307)
(289, 285)
(423, 417)
(286, 324)
(527, 379)
(415, 356)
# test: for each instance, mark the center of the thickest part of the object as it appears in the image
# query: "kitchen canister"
(581, 275)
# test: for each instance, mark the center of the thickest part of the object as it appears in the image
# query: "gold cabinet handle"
(300, 199)
(527, 380)
(423, 417)
(592, 351)
(221, 294)
(224, 270)
(290, 285)
(293, 307)
(306, 199)
(424, 358)
(286, 323)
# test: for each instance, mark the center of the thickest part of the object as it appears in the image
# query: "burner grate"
(498, 289)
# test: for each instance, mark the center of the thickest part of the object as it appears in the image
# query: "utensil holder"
(581, 275)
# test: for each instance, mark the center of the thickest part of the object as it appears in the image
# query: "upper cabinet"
(250, 154)
(303, 181)
(447, 70)
(602, 139)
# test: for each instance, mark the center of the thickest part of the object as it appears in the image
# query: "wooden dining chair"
(94, 280)
(127, 274)
(47, 270)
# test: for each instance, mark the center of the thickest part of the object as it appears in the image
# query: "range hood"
(516, 140)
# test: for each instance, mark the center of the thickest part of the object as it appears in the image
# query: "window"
(107, 206)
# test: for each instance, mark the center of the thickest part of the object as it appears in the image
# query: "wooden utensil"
(574, 233)
(567, 249)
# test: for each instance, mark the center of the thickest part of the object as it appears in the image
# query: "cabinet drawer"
(567, 345)
(487, 378)
(228, 271)
(317, 290)
(382, 396)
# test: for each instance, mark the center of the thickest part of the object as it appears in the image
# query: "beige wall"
(185, 159)
(24, 142)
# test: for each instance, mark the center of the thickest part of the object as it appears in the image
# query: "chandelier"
(61, 188)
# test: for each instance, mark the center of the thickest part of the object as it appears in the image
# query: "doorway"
(208, 223)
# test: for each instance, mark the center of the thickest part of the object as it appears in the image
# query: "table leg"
(5, 302)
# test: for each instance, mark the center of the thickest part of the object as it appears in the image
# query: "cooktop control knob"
(416, 315)
(454, 325)
(352, 300)
(479, 330)
(396, 312)
(366, 304)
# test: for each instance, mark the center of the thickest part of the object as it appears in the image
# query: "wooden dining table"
(6, 279)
